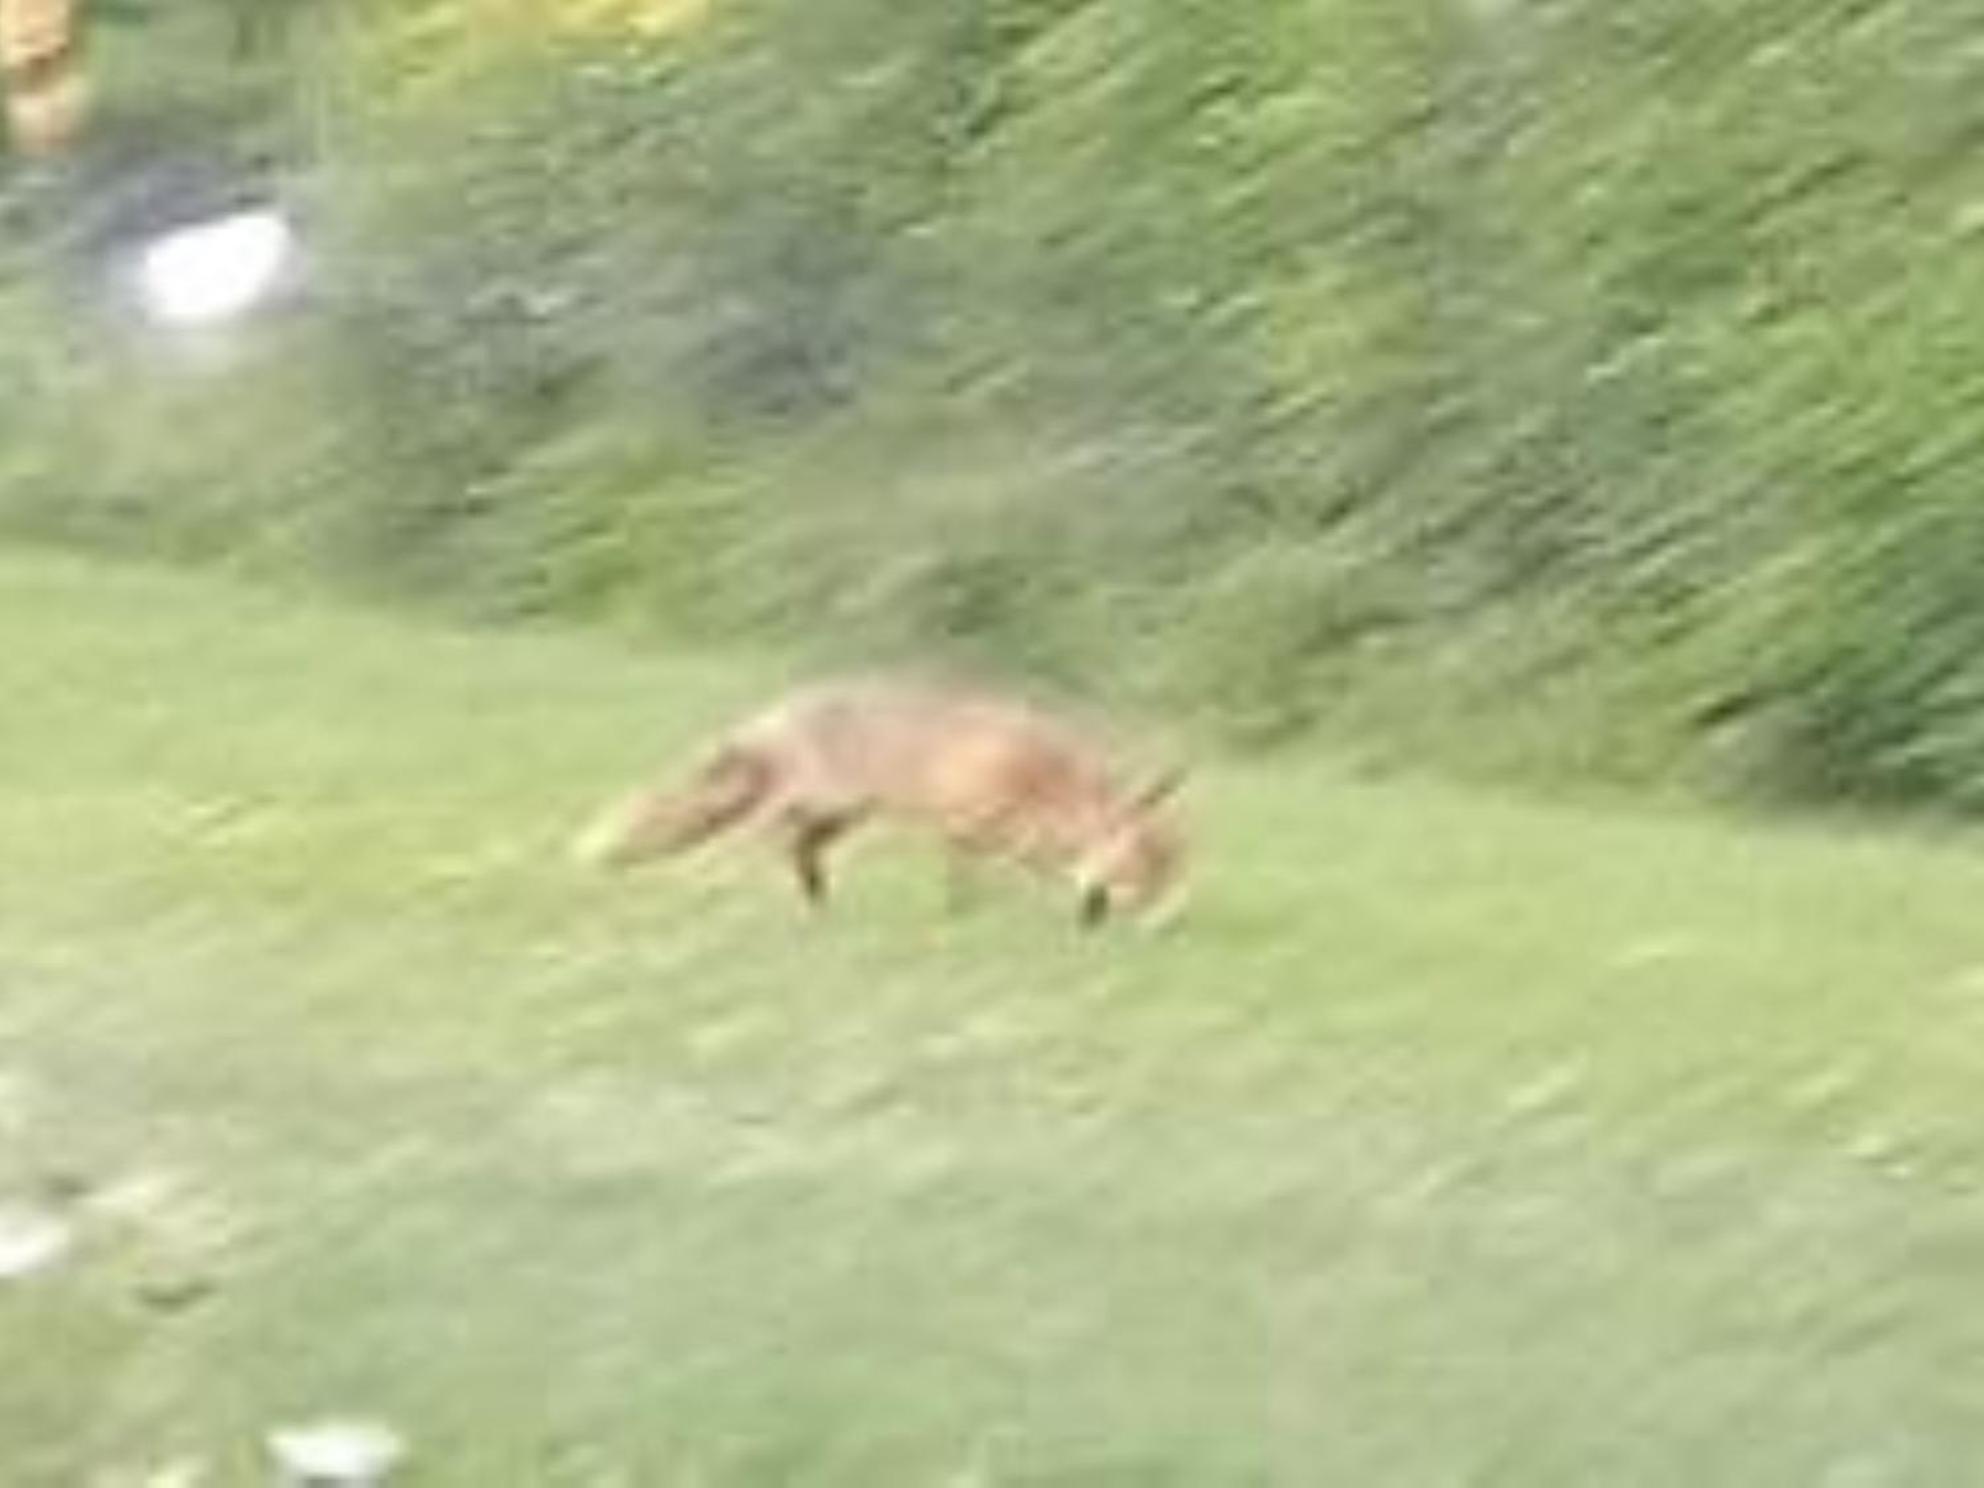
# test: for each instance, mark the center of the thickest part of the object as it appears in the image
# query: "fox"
(990, 775)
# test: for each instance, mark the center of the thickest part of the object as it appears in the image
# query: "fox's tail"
(728, 788)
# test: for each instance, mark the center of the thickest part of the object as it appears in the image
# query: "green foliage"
(1564, 385)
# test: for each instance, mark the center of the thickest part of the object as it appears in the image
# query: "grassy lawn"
(1451, 1139)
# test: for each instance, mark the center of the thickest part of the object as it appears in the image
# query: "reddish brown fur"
(990, 776)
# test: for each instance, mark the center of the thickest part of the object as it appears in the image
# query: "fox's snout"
(1135, 872)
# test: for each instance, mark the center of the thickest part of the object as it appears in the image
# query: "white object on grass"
(31, 1240)
(215, 270)
(337, 1454)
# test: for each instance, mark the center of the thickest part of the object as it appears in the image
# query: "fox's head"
(1136, 866)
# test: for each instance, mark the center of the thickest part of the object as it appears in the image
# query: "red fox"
(990, 776)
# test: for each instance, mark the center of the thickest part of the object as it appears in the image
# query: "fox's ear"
(1161, 788)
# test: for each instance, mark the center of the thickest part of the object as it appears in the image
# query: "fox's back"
(926, 750)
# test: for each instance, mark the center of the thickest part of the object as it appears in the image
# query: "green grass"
(1451, 1139)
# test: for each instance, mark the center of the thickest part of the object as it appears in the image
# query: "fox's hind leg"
(1092, 909)
(808, 837)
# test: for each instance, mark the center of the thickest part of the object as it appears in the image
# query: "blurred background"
(420, 419)
(1537, 385)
